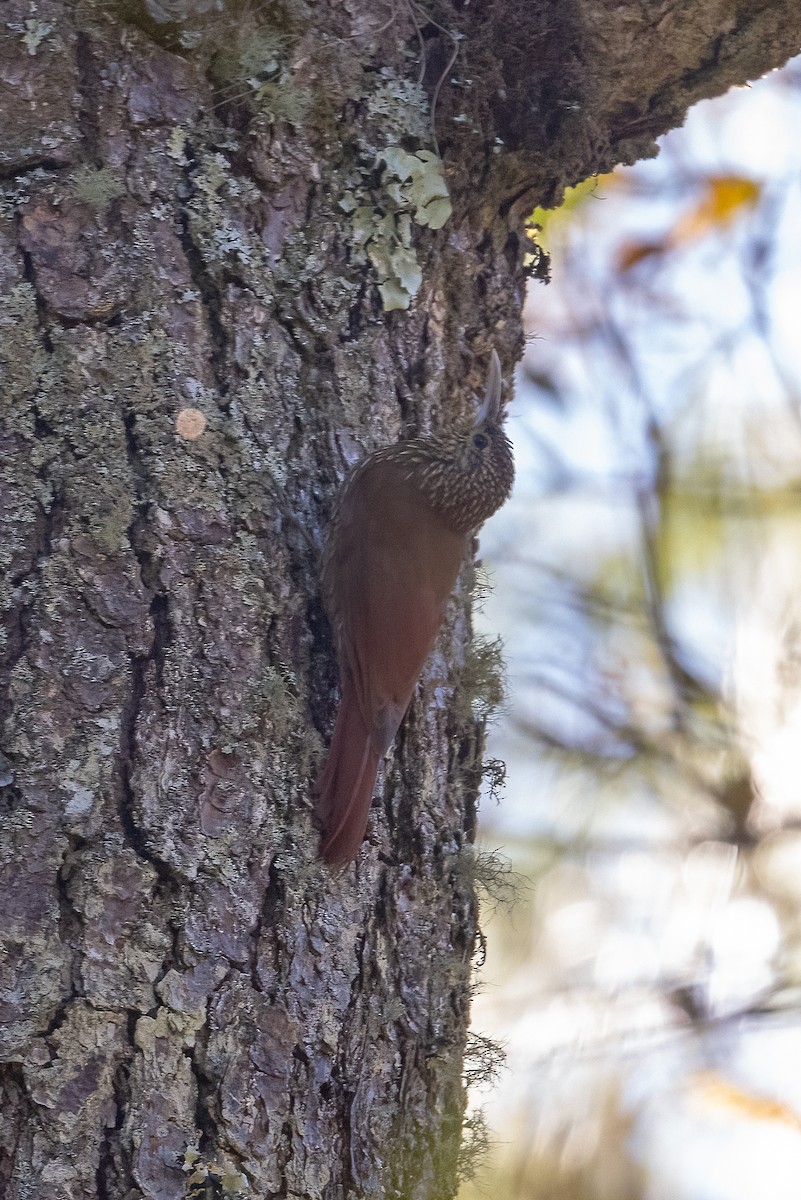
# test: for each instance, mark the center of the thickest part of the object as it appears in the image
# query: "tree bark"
(200, 247)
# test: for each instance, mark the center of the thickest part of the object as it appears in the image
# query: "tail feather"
(345, 788)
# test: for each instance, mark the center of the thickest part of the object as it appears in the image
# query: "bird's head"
(468, 472)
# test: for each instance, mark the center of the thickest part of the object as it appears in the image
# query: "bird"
(400, 530)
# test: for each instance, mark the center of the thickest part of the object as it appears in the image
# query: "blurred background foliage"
(645, 980)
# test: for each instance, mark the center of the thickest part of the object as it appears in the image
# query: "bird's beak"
(491, 407)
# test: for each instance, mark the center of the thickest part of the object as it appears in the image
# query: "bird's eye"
(480, 440)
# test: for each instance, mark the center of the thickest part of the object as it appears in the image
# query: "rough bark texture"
(178, 974)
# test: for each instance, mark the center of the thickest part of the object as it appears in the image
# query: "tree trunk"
(228, 269)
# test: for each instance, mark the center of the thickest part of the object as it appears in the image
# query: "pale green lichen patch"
(217, 214)
(150, 1030)
(26, 364)
(35, 33)
(283, 100)
(482, 680)
(212, 1176)
(400, 107)
(413, 191)
(475, 1145)
(395, 188)
(251, 56)
(254, 69)
(176, 144)
(416, 183)
(97, 187)
(491, 874)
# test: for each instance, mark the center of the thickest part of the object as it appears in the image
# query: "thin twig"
(445, 73)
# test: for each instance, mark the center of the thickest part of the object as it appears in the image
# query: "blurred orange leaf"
(631, 253)
(712, 1088)
(723, 198)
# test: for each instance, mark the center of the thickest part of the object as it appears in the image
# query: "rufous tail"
(345, 788)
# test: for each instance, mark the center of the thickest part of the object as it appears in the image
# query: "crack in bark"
(14, 1100)
(349, 1079)
(208, 288)
(135, 836)
(20, 631)
(162, 628)
(29, 274)
(88, 86)
(130, 717)
(271, 916)
(71, 924)
(208, 1117)
(139, 663)
(114, 1176)
(20, 171)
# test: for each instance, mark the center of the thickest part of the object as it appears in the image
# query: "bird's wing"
(395, 566)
